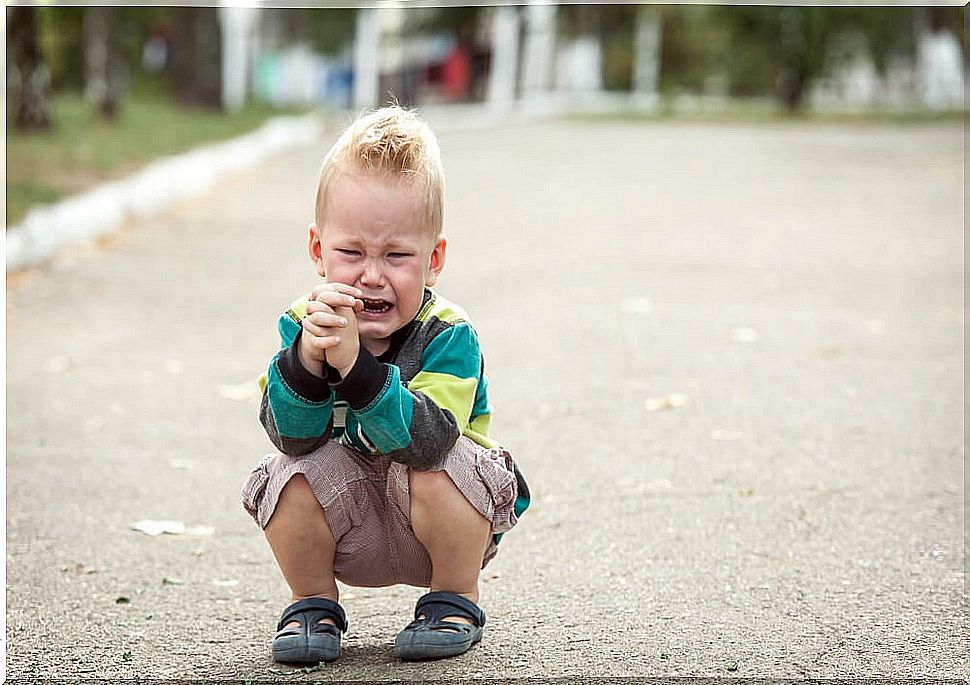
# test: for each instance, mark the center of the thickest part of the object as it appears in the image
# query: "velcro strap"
(465, 607)
(327, 607)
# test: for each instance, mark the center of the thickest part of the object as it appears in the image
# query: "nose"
(373, 274)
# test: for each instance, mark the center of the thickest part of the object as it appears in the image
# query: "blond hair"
(393, 142)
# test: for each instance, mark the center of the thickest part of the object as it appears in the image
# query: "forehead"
(375, 208)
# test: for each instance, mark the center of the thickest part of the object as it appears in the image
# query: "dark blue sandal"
(311, 642)
(432, 637)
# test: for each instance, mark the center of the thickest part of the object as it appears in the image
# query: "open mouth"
(376, 306)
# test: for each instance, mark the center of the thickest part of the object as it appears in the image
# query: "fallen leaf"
(58, 364)
(733, 666)
(172, 581)
(122, 600)
(80, 568)
(150, 527)
(153, 528)
(828, 352)
(718, 434)
(636, 305)
(672, 401)
(243, 391)
(743, 334)
(576, 408)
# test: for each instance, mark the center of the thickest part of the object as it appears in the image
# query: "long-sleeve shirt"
(411, 403)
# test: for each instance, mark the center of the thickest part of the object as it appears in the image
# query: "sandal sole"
(300, 651)
(412, 648)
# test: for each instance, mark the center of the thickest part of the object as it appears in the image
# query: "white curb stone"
(103, 209)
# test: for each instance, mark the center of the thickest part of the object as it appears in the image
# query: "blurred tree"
(781, 50)
(28, 81)
(197, 56)
(61, 42)
(102, 59)
(617, 23)
(331, 30)
(692, 45)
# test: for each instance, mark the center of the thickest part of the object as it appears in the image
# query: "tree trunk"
(197, 57)
(102, 83)
(28, 81)
(792, 71)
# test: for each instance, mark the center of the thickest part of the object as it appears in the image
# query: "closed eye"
(350, 253)
(399, 255)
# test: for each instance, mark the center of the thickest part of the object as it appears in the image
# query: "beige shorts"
(367, 505)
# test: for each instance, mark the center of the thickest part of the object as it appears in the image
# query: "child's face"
(375, 239)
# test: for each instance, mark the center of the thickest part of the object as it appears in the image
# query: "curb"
(156, 187)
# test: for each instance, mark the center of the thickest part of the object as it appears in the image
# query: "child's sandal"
(432, 637)
(311, 642)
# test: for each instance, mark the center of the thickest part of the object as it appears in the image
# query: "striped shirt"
(411, 403)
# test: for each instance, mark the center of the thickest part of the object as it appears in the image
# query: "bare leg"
(452, 531)
(302, 543)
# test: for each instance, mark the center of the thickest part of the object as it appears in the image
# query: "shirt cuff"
(301, 381)
(364, 382)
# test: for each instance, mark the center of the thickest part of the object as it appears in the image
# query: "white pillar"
(539, 53)
(940, 60)
(236, 23)
(646, 65)
(366, 54)
(505, 56)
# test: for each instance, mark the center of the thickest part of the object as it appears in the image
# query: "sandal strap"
(437, 605)
(326, 608)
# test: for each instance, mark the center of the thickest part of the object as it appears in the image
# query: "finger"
(327, 320)
(323, 342)
(335, 299)
(319, 331)
(314, 306)
(347, 312)
(341, 288)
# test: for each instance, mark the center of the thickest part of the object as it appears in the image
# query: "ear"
(436, 261)
(315, 248)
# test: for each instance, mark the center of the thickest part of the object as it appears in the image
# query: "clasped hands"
(330, 329)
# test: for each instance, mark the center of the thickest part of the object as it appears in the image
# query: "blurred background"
(85, 84)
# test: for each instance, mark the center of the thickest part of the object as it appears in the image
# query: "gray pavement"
(799, 512)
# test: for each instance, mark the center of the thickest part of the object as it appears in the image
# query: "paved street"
(728, 358)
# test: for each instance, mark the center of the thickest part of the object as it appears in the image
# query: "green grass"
(83, 150)
(764, 111)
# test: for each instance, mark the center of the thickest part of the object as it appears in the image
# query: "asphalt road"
(790, 297)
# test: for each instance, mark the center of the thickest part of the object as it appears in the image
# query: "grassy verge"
(84, 150)
(765, 111)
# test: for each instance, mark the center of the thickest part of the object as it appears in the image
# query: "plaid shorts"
(366, 502)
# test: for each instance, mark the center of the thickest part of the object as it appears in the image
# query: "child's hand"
(330, 325)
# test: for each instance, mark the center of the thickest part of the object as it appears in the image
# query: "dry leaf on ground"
(671, 401)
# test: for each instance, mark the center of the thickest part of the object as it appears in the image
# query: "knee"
(297, 495)
(428, 487)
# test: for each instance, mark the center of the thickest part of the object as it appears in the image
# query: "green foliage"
(61, 44)
(692, 47)
(618, 23)
(757, 47)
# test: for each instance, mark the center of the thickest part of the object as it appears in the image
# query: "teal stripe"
(295, 417)
(454, 352)
(388, 418)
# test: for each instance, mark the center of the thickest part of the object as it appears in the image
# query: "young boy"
(378, 403)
